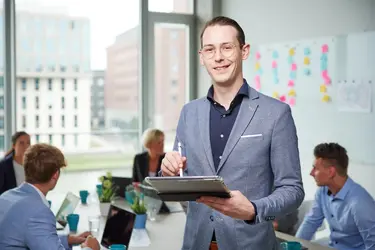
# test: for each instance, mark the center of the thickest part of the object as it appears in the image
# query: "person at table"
(348, 208)
(245, 137)
(148, 163)
(26, 221)
(11, 166)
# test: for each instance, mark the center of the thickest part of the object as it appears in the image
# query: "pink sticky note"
(257, 78)
(324, 73)
(257, 55)
(291, 83)
(325, 48)
(282, 98)
(257, 86)
(292, 101)
(294, 66)
(327, 80)
(274, 64)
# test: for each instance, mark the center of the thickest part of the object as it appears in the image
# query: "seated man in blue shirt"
(26, 221)
(347, 206)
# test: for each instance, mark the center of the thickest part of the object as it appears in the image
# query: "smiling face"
(222, 54)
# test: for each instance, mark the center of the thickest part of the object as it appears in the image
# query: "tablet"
(189, 188)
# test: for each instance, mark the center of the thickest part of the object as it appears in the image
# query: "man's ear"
(56, 175)
(332, 171)
(245, 51)
(201, 58)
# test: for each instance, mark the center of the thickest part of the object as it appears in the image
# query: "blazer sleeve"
(41, 232)
(2, 178)
(284, 157)
(135, 169)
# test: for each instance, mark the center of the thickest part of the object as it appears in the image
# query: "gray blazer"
(261, 153)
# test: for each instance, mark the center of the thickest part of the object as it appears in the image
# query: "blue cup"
(291, 245)
(117, 247)
(99, 189)
(73, 220)
(83, 194)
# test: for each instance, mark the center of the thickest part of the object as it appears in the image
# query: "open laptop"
(118, 227)
(67, 207)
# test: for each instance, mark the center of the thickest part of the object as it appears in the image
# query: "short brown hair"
(41, 161)
(335, 155)
(225, 21)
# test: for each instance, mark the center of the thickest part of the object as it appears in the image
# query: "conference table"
(166, 232)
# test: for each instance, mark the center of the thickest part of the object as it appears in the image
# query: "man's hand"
(92, 243)
(238, 206)
(78, 239)
(172, 163)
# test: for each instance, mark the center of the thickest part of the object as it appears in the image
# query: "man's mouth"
(220, 68)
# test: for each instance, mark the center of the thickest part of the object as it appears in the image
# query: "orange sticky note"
(292, 92)
(292, 52)
(275, 95)
(323, 88)
(306, 61)
(326, 98)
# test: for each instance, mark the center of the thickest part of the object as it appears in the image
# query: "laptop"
(67, 207)
(118, 227)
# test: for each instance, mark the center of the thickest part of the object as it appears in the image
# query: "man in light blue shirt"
(347, 206)
(26, 221)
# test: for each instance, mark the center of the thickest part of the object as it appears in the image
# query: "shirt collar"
(244, 91)
(344, 190)
(44, 199)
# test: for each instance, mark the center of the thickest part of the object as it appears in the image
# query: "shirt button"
(332, 215)
(221, 135)
(336, 242)
(215, 103)
(220, 157)
(224, 115)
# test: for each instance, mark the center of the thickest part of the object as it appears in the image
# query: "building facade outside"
(97, 100)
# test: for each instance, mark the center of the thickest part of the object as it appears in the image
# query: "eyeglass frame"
(221, 47)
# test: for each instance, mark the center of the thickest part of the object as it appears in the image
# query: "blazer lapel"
(204, 129)
(244, 117)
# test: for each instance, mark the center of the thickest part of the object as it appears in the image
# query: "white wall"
(273, 21)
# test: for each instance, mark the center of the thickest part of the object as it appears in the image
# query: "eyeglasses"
(226, 50)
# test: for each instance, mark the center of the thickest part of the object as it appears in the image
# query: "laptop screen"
(67, 207)
(118, 228)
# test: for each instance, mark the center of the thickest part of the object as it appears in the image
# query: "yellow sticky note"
(257, 66)
(292, 92)
(306, 61)
(292, 52)
(326, 98)
(275, 95)
(323, 88)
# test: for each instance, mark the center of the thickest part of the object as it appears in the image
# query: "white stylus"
(180, 152)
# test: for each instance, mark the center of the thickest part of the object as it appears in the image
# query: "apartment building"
(97, 100)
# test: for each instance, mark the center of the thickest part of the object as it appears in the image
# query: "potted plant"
(107, 193)
(140, 210)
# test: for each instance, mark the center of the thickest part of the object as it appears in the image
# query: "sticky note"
(275, 79)
(306, 51)
(323, 88)
(324, 48)
(290, 59)
(324, 57)
(307, 71)
(260, 71)
(292, 52)
(294, 66)
(326, 98)
(275, 54)
(257, 66)
(306, 61)
(327, 80)
(292, 75)
(257, 86)
(291, 83)
(275, 95)
(257, 78)
(292, 92)
(324, 73)
(257, 55)
(274, 64)
(292, 101)
(282, 98)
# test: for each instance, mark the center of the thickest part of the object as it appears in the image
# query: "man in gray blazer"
(244, 136)
(26, 221)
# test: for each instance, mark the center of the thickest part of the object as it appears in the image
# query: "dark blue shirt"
(222, 121)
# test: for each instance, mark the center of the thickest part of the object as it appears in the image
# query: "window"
(63, 84)
(75, 103)
(24, 121)
(63, 140)
(63, 121)
(1, 82)
(36, 83)
(1, 123)
(23, 82)
(37, 121)
(36, 102)
(50, 139)
(37, 138)
(63, 102)
(23, 102)
(176, 6)
(1, 102)
(75, 121)
(50, 121)
(75, 85)
(1, 142)
(75, 140)
(49, 84)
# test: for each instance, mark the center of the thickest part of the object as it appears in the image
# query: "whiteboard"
(350, 59)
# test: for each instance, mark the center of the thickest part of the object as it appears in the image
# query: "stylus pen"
(180, 152)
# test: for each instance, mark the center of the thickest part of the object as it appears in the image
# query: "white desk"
(165, 233)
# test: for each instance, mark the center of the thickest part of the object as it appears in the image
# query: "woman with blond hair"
(148, 163)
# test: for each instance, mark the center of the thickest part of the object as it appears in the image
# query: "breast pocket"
(252, 137)
(255, 146)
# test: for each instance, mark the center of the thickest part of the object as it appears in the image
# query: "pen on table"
(180, 152)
